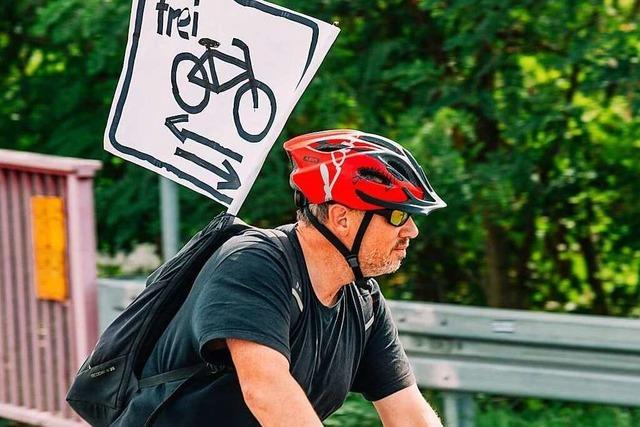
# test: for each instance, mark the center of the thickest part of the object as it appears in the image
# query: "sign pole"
(170, 217)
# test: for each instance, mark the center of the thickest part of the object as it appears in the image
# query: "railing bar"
(12, 347)
(13, 308)
(62, 349)
(67, 372)
(18, 219)
(61, 378)
(72, 363)
(54, 316)
(82, 266)
(5, 265)
(51, 350)
(29, 299)
(71, 360)
(45, 326)
(34, 316)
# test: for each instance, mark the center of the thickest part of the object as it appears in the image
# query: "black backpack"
(111, 374)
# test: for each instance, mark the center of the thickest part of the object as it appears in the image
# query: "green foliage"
(494, 411)
(11, 423)
(355, 412)
(524, 114)
(513, 412)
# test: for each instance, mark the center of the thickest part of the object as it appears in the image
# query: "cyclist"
(293, 360)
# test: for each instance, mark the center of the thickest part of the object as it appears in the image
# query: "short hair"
(320, 211)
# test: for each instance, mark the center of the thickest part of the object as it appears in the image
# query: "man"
(295, 348)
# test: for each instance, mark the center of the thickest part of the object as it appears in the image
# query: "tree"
(524, 114)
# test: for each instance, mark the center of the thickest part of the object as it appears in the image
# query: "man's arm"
(269, 390)
(406, 408)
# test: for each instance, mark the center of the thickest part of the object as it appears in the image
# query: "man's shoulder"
(254, 253)
(249, 237)
(253, 241)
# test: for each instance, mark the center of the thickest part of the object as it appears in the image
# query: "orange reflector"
(50, 247)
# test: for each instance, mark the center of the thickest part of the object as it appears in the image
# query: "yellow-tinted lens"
(398, 218)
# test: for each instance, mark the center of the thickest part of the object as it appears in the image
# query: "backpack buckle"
(217, 368)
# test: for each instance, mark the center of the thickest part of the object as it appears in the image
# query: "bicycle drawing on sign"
(208, 81)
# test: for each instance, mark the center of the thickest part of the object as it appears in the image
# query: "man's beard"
(375, 263)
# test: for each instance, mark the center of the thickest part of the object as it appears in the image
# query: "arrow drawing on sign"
(184, 134)
(232, 181)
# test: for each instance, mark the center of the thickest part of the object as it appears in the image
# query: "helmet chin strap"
(351, 256)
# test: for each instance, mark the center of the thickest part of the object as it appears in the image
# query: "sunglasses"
(395, 217)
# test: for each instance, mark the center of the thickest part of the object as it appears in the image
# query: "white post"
(170, 217)
(459, 409)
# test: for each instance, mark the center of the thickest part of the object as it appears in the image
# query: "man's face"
(385, 246)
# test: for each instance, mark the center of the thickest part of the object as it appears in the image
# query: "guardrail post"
(459, 409)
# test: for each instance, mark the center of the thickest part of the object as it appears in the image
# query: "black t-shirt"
(245, 291)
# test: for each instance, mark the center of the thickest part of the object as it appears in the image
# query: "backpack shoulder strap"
(371, 299)
(281, 236)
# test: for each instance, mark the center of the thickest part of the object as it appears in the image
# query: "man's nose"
(410, 229)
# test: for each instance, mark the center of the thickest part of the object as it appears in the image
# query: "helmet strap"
(351, 256)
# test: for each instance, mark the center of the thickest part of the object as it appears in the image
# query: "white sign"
(207, 87)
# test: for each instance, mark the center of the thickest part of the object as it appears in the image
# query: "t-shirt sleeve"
(244, 295)
(384, 368)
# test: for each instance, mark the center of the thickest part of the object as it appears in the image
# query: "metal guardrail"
(511, 352)
(45, 330)
(114, 295)
(463, 350)
(519, 353)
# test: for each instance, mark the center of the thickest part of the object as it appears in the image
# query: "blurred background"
(523, 114)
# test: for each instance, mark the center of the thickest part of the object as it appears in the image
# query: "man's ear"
(338, 219)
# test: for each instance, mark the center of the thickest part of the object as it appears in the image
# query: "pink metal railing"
(42, 343)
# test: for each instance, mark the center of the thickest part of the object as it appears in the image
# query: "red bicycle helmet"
(359, 170)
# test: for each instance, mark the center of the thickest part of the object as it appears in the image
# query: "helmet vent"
(327, 147)
(398, 170)
(374, 176)
(380, 142)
